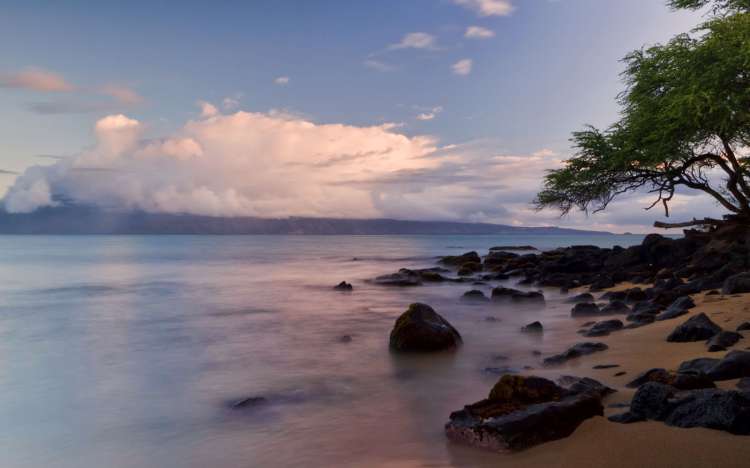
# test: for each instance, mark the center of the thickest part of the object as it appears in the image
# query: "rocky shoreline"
(649, 285)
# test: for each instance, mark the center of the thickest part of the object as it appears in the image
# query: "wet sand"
(600, 443)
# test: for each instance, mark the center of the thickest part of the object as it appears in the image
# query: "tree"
(685, 123)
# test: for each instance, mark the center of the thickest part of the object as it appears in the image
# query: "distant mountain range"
(83, 220)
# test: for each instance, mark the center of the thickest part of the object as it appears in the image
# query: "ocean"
(130, 351)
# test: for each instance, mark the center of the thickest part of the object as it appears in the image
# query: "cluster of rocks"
(689, 397)
(701, 328)
(521, 412)
(524, 411)
(676, 268)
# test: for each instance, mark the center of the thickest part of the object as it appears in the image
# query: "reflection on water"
(132, 351)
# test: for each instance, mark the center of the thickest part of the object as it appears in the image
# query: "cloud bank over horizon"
(277, 164)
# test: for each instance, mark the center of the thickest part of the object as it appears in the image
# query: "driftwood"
(694, 222)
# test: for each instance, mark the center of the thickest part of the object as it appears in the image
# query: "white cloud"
(415, 40)
(253, 164)
(282, 80)
(478, 32)
(429, 114)
(462, 67)
(207, 109)
(36, 79)
(378, 65)
(488, 7)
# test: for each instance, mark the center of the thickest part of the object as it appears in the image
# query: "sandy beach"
(599, 442)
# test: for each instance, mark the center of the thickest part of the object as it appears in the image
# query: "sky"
(419, 109)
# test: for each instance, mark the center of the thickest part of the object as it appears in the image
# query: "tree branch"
(694, 222)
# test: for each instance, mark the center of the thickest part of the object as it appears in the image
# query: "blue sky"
(525, 75)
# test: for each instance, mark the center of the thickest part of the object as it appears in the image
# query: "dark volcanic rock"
(420, 328)
(583, 297)
(250, 402)
(736, 284)
(678, 307)
(614, 295)
(513, 247)
(696, 328)
(650, 400)
(522, 412)
(604, 328)
(700, 365)
(458, 260)
(735, 365)
(726, 410)
(585, 309)
(723, 340)
(474, 295)
(679, 380)
(533, 327)
(343, 286)
(605, 366)
(577, 350)
(468, 269)
(640, 318)
(633, 295)
(615, 307)
(407, 277)
(505, 294)
(584, 385)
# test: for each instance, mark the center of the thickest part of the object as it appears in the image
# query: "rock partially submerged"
(696, 328)
(521, 412)
(406, 277)
(509, 294)
(474, 295)
(421, 329)
(343, 286)
(458, 260)
(604, 328)
(585, 309)
(533, 327)
(575, 351)
(583, 297)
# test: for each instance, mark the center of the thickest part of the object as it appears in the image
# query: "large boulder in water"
(696, 328)
(521, 412)
(420, 328)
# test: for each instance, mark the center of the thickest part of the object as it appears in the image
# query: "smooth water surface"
(129, 351)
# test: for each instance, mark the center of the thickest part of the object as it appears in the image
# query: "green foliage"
(718, 6)
(685, 112)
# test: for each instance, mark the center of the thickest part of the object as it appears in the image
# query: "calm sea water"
(128, 351)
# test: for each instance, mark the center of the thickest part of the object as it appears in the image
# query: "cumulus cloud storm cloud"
(278, 164)
(244, 163)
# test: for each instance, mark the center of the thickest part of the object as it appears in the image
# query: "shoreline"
(599, 442)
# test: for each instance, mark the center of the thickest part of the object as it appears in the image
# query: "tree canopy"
(685, 122)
